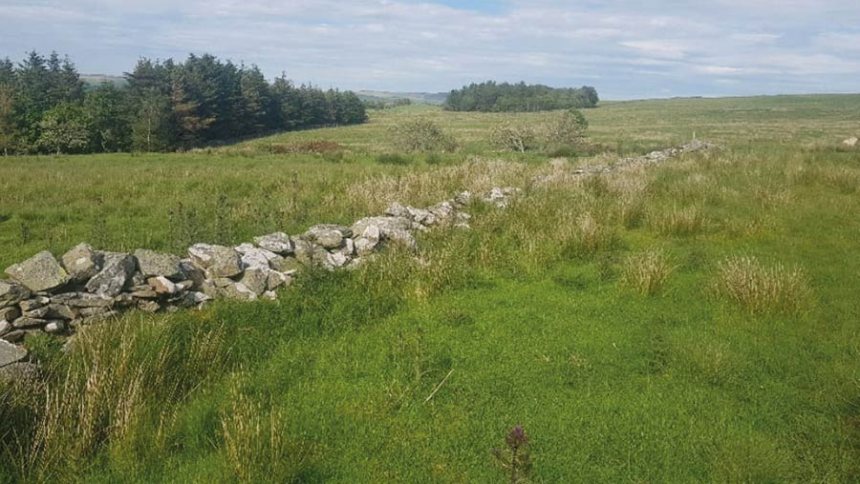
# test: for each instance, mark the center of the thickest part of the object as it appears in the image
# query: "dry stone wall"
(48, 295)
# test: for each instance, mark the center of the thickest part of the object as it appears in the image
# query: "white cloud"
(685, 48)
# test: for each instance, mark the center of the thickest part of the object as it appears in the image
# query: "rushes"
(647, 272)
(680, 222)
(255, 440)
(758, 288)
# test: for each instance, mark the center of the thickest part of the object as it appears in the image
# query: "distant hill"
(416, 97)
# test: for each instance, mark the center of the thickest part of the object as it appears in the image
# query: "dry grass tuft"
(679, 221)
(647, 272)
(256, 446)
(758, 288)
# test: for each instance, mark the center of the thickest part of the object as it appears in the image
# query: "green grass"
(530, 313)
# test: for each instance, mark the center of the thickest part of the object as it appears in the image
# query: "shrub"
(747, 282)
(646, 273)
(513, 137)
(566, 129)
(422, 135)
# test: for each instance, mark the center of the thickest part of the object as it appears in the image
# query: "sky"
(627, 49)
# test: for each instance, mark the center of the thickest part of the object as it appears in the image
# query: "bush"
(646, 273)
(422, 135)
(513, 137)
(566, 129)
(747, 282)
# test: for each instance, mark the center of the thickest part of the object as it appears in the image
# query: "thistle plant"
(515, 460)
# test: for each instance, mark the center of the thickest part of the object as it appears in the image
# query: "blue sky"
(625, 48)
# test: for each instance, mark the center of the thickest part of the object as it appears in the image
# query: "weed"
(515, 459)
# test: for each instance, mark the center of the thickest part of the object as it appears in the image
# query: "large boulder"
(10, 353)
(154, 264)
(11, 293)
(253, 257)
(39, 273)
(115, 276)
(327, 235)
(217, 260)
(82, 262)
(237, 291)
(279, 243)
(256, 279)
(367, 241)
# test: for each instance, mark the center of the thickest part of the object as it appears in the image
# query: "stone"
(385, 225)
(162, 285)
(217, 260)
(289, 265)
(93, 311)
(253, 257)
(194, 300)
(237, 291)
(304, 251)
(14, 336)
(442, 211)
(39, 312)
(337, 260)
(82, 262)
(277, 279)
(10, 313)
(851, 142)
(421, 216)
(28, 323)
(348, 248)
(270, 295)
(56, 327)
(463, 198)
(143, 292)
(10, 353)
(256, 279)
(82, 300)
(397, 210)
(327, 235)
(11, 293)
(5, 327)
(192, 273)
(60, 312)
(151, 263)
(368, 240)
(21, 371)
(278, 242)
(115, 275)
(148, 306)
(40, 273)
(33, 304)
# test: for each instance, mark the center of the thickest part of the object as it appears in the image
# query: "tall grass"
(116, 381)
(744, 280)
(646, 272)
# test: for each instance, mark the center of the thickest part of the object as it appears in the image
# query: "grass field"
(694, 321)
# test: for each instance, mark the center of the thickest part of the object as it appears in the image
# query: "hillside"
(679, 316)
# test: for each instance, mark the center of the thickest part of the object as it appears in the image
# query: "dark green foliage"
(163, 106)
(491, 97)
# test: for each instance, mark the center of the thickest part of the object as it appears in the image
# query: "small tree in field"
(567, 128)
(513, 137)
(422, 135)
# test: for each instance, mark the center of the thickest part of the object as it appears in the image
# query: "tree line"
(521, 97)
(45, 107)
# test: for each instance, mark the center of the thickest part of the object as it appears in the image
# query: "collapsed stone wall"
(48, 295)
